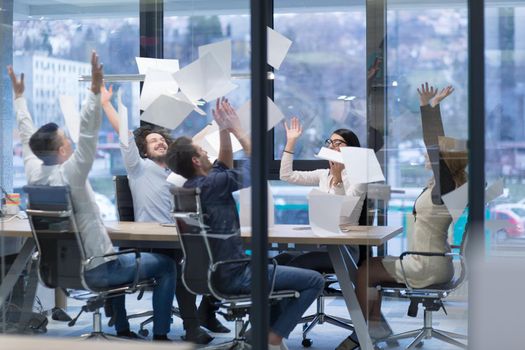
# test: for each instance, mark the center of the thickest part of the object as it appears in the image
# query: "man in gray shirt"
(49, 159)
(144, 159)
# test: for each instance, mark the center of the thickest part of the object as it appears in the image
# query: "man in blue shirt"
(217, 182)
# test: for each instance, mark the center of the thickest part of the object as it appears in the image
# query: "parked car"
(514, 214)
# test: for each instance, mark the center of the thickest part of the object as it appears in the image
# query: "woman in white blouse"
(332, 180)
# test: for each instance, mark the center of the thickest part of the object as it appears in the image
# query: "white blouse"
(323, 179)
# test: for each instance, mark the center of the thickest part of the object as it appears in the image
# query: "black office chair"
(61, 255)
(125, 209)
(431, 298)
(324, 266)
(199, 266)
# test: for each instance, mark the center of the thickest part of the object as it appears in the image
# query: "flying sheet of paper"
(494, 190)
(456, 202)
(69, 107)
(245, 207)
(176, 179)
(204, 79)
(200, 139)
(245, 115)
(165, 65)
(331, 155)
(278, 46)
(167, 111)
(123, 120)
(222, 51)
(324, 212)
(214, 139)
(361, 165)
(347, 208)
(156, 83)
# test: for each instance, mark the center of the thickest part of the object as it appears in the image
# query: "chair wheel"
(392, 343)
(307, 342)
(143, 332)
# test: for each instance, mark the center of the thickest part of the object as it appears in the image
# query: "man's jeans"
(122, 270)
(288, 312)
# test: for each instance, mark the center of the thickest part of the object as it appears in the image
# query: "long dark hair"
(349, 137)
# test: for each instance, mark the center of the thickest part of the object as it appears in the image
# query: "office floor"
(324, 336)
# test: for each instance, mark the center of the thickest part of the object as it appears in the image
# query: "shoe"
(58, 314)
(214, 325)
(129, 335)
(163, 337)
(197, 336)
(350, 343)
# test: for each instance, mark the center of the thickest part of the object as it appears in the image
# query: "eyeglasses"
(334, 143)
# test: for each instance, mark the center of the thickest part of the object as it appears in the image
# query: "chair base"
(231, 345)
(100, 336)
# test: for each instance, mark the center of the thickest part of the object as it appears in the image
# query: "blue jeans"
(285, 315)
(122, 270)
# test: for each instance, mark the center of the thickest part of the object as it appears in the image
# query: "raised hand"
(97, 73)
(426, 94)
(225, 116)
(294, 131)
(441, 95)
(105, 94)
(18, 85)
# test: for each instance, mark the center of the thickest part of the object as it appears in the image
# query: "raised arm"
(111, 113)
(432, 129)
(286, 172)
(25, 125)
(77, 167)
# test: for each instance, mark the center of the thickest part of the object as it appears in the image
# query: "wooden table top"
(298, 234)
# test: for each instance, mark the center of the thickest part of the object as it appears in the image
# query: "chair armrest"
(121, 252)
(404, 254)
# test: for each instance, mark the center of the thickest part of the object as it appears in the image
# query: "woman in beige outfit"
(432, 219)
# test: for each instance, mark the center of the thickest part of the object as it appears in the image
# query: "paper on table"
(165, 65)
(167, 111)
(176, 179)
(123, 120)
(222, 51)
(361, 165)
(494, 190)
(245, 115)
(347, 208)
(69, 107)
(203, 79)
(331, 155)
(156, 83)
(245, 207)
(278, 46)
(324, 211)
(456, 202)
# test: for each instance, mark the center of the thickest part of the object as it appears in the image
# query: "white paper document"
(159, 64)
(494, 190)
(157, 83)
(204, 79)
(69, 107)
(330, 154)
(167, 111)
(325, 211)
(361, 165)
(278, 46)
(245, 115)
(222, 52)
(123, 120)
(245, 207)
(456, 202)
(214, 140)
(176, 179)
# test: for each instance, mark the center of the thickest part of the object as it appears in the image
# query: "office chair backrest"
(55, 231)
(198, 258)
(124, 198)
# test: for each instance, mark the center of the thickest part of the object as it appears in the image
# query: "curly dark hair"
(179, 157)
(142, 132)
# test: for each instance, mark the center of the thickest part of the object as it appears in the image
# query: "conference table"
(140, 234)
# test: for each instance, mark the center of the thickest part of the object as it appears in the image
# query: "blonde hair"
(455, 155)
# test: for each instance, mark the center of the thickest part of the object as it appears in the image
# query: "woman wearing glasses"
(332, 180)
